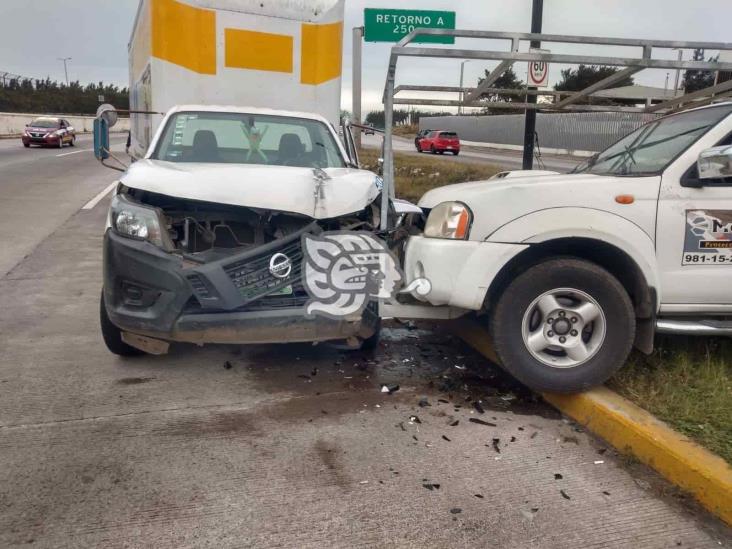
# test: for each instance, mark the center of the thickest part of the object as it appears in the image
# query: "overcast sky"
(34, 33)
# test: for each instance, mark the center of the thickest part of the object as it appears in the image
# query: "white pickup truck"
(572, 270)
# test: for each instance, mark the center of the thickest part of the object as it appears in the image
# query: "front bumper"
(50, 140)
(460, 271)
(159, 295)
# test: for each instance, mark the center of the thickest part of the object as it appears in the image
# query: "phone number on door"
(718, 259)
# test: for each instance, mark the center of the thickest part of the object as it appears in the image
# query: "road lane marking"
(75, 152)
(97, 199)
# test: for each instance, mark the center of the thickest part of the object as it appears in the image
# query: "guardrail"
(13, 123)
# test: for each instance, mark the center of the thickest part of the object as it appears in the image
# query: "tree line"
(52, 97)
(402, 117)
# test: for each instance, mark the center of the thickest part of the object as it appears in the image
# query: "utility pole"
(356, 84)
(678, 73)
(537, 12)
(66, 71)
(462, 93)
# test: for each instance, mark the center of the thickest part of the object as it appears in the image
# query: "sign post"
(383, 25)
(537, 13)
(356, 84)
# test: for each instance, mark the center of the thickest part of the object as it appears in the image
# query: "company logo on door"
(708, 237)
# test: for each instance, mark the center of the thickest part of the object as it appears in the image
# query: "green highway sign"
(382, 25)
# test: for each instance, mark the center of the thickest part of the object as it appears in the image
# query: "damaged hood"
(320, 194)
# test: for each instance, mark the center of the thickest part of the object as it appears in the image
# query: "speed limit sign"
(538, 71)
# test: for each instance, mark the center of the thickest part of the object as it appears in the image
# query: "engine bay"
(209, 231)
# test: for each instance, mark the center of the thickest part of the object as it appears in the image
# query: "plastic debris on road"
(481, 422)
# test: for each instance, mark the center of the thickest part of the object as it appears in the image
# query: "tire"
(372, 343)
(26, 145)
(432, 150)
(419, 149)
(455, 153)
(595, 351)
(113, 336)
(61, 142)
(72, 143)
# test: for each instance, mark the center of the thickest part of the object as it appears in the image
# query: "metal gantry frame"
(560, 101)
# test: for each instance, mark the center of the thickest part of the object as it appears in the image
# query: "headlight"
(449, 220)
(131, 219)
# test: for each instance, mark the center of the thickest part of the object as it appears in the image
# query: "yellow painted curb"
(632, 430)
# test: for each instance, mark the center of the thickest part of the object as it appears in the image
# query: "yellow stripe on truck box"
(259, 51)
(184, 35)
(321, 53)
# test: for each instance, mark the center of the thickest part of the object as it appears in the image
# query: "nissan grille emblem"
(280, 266)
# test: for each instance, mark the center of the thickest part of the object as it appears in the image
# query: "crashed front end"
(202, 272)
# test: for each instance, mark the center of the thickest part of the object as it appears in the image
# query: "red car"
(55, 132)
(438, 141)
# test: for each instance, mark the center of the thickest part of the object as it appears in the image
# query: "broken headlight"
(449, 220)
(132, 219)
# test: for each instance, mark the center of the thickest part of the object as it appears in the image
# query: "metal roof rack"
(560, 101)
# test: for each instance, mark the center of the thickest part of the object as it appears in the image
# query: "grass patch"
(687, 383)
(415, 175)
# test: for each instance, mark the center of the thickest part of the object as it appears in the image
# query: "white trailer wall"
(281, 54)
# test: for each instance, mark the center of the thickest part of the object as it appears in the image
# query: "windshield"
(649, 149)
(44, 123)
(240, 138)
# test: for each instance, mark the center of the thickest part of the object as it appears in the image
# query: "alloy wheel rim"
(564, 328)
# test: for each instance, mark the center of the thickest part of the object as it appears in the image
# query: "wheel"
(372, 343)
(113, 336)
(26, 145)
(564, 325)
(456, 153)
(60, 141)
(432, 150)
(419, 149)
(72, 143)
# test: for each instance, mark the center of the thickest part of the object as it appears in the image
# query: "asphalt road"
(510, 160)
(276, 446)
(40, 188)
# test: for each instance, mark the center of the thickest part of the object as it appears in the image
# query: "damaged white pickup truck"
(203, 243)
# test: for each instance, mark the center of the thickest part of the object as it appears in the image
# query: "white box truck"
(206, 231)
(279, 54)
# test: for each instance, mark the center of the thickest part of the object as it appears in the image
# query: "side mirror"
(109, 113)
(101, 139)
(715, 163)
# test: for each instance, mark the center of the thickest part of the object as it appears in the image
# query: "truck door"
(694, 227)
